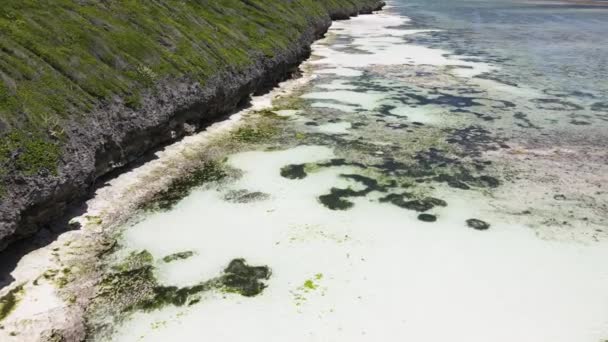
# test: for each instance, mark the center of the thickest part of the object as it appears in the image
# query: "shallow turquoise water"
(557, 46)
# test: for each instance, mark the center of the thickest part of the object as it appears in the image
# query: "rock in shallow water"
(427, 218)
(178, 256)
(295, 171)
(244, 279)
(477, 224)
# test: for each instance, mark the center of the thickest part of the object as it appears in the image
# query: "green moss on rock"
(178, 256)
(255, 134)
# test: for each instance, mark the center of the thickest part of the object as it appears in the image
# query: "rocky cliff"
(88, 86)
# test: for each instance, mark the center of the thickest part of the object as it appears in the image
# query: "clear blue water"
(556, 47)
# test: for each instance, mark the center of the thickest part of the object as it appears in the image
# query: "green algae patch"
(171, 295)
(178, 256)
(270, 114)
(301, 294)
(59, 278)
(238, 277)
(254, 134)
(244, 279)
(337, 198)
(335, 201)
(181, 187)
(96, 220)
(131, 285)
(310, 283)
(134, 260)
(9, 301)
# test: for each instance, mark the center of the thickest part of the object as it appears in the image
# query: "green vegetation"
(270, 114)
(259, 133)
(310, 284)
(28, 154)
(134, 260)
(61, 59)
(178, 256)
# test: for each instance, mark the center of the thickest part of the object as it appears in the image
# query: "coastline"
(113, 135)
(326, 188)
(44, 307)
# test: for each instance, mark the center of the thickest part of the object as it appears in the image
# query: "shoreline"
(113, 134)
(350, 257)
(44, 312)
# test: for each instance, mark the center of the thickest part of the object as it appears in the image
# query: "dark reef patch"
(335, 201)
(245, 196)
(477, 224)
(434, 158)
(294, 171)
(133, 286)
(600, 106)
(427, 218)
(524, 122)
(244, 279)
(178, 256)
(341, 162)
(404, 200)
(464, 180)
(579, 123)
(337, 198)
(238, 278)
(556, 104)
(474, 140)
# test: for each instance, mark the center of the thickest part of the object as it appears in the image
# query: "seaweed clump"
(477, 224)
(420, 205)
(254, 134)
(294, 171)
(238, 277)
(336, 199)
(244, 279)
(427, 218)
(178, 256)
(244, 196)
(133, 286)
(181, 187)
(9, 301)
